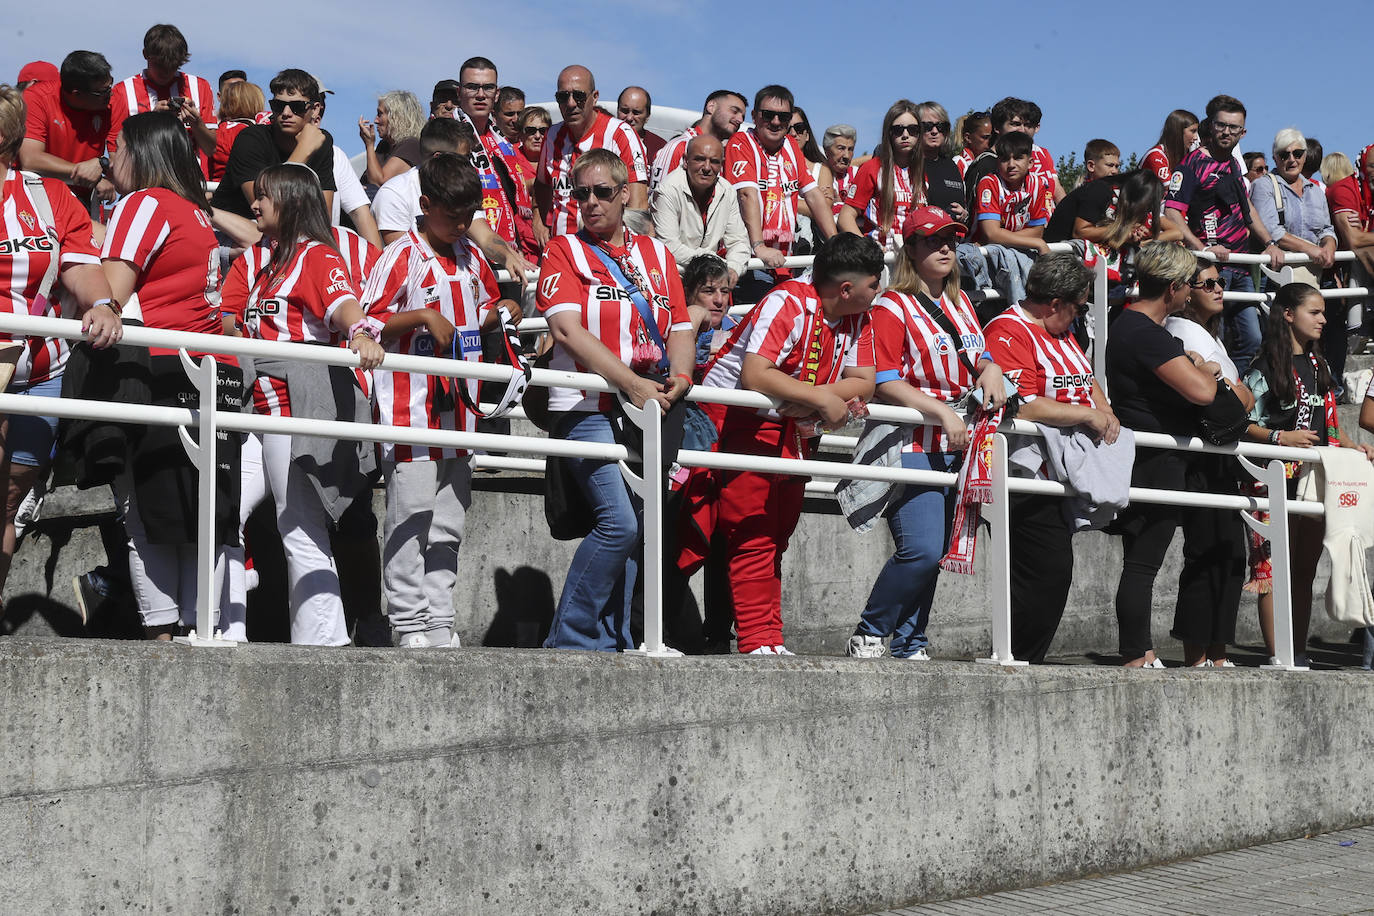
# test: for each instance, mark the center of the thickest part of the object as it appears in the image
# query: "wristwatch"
(112, 304)
(105, 164)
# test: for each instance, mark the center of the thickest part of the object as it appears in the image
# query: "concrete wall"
(269, 779)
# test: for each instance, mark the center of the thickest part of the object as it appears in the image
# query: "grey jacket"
(678, 223)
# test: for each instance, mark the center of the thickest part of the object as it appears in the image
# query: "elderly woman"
(534, 127)
(838, 144)
(1293, 209)
(392, 142)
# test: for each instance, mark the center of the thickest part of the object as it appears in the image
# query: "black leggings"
(1146, 531)
(1041, 573)
(1214, 544)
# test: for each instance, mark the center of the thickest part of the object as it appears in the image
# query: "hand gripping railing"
(648, 484)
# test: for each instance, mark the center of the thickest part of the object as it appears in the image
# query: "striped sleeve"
(136, 231)
(386, 289)
(776, 328)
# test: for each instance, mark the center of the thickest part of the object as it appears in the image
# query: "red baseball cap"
(929, 221)
(38, 70)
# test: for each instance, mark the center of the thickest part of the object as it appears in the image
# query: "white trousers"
(317, 617)
(164, 575)
(426, 505)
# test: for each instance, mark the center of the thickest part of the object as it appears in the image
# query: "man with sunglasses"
(506, 204)
(768, 171)
(721, 115)
(585, 128)
(68, 127)
(1206, 200)
(292, 136)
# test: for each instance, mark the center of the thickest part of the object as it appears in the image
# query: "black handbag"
(565, 507)
(1224, 420)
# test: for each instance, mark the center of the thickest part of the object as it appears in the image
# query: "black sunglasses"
(799, 128)
(928, 126)
(577, 95)
(1292, 154)
(898, 130)
(1213, 284)
(583, 193)
(97, 93)
(766, 115)
(298, 106)
(532, 130)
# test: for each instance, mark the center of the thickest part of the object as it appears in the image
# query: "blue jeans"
(1240, 320)
(1008, 268)
(594, 610)
(899, 605)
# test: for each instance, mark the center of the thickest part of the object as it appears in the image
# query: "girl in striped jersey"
(304, 294)
(923, 366)
(160, 246)
(45, 240)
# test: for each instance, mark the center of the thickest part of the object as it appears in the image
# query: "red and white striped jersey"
(1037, 362)
(778, 178)
(562, 150)
(459, 285)
(963, 161)
(1042, 164)
(788, 329)
(359, 256)
(169, 241)
(1025, 207)
(670, 157)
(225, 135)
(573, 278)
(298, 303)
(503, 214)
(910, 346)
(27, 249)
(865, 195)
(1157, 161)
(843, 182)
(138, 94)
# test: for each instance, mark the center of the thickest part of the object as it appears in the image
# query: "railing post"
(649, 485)
(998, 515)
(1276, 530)
(1097, 327)
(203, 456)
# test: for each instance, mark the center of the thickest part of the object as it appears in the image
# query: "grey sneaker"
(861, 646)
(413, 641)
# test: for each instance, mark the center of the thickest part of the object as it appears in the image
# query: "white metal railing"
(649, 485)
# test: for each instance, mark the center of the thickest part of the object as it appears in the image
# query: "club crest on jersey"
(27, 219)
(549, 285)
(338, 281)
(655, 277)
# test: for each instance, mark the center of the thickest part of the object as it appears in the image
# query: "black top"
(1136, 347)
(254, 150)
(408, 151)
(944, 186)
(1093, 201)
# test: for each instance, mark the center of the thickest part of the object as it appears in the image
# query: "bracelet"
(687, 378)
(754, 247)
(986, 355)
(367, 326)
(1274, 436)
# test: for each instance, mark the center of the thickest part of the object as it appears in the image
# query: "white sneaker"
(920, 655)
(1154, 664)
(1224, 663)
(782, 650)
(453, 642)
(861, 646)
(413, 641)
(763, 650)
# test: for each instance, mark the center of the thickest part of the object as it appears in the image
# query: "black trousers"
(1041, 573)
(1214, 543)
(1146, 532)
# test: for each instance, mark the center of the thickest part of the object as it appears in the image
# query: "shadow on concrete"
(524, 609)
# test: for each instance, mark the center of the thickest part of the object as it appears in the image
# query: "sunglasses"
(1211, 285)
(941, 240)
(799, 129)
(97, 93)
(533, 131)
(577, 95)
(901, 130)
(583, 193)
(766, 115)
(480, 88)
(928, 126)
(298, 107)
(1292, 154)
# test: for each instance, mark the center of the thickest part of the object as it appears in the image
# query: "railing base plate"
(1009, 663)
(660, 652)
(214, 642)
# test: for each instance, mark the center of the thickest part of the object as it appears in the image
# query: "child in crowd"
(800, 345)
(1012, 210)
(1101, 159)
(432, 287)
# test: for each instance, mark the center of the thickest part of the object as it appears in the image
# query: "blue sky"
(1109, 70)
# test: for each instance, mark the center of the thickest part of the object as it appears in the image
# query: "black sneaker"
(90, 597)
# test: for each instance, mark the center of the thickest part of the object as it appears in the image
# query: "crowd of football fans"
(934, 286)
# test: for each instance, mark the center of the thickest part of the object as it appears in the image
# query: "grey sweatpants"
(426, 504)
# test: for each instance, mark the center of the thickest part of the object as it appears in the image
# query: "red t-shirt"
(171, 244)
(224, 142)
(1346, 202)
(67, 133)
(1157, 161)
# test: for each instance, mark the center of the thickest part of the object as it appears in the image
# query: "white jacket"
(678, 223)
(1347, 490)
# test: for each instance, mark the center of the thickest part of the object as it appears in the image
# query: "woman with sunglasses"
(800, 130)
(533, 127)
(920, 365)
(597, 287)
(1176, 140)
(1156, 387)
(159, 245)
(1214, 540)
(944, 183)
(887, 187)
(304, 293)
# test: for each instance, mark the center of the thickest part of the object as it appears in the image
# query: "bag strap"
(637, 297)
(515, 357)
(941, 318)
(38, 195)
(1278, 196)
